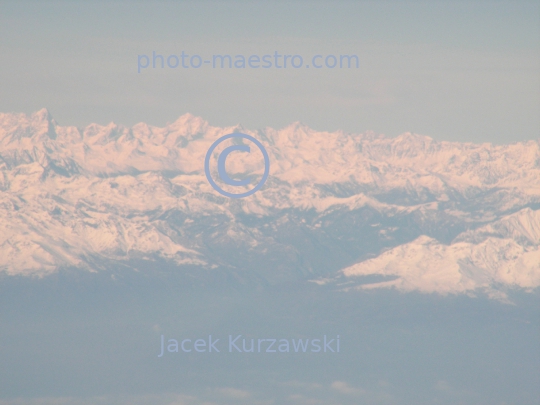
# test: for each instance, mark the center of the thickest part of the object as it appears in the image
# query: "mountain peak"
(188, 124)
(412, 137)
(17, 126)
(42, 115)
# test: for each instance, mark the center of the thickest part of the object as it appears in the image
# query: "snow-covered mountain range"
(433, 216)
(503, 253)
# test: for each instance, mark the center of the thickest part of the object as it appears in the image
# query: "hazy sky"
(463, 70)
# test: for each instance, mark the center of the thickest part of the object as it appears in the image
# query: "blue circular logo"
(221, 165)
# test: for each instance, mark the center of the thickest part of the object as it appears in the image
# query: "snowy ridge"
(436, 216)
(298, 154)
(504, 253)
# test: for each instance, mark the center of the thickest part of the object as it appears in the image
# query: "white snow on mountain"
(74, 197)
(503, 253)
(298, 154)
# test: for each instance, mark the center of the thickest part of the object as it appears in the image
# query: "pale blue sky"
(467, 71)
